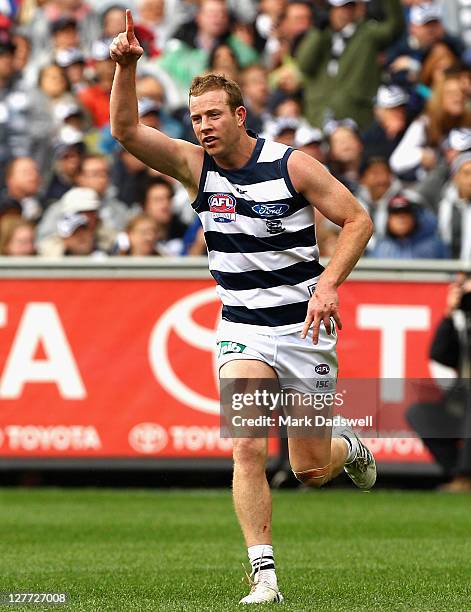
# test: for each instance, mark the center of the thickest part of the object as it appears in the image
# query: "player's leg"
(317, 455)
(251, 492)
(318, 459)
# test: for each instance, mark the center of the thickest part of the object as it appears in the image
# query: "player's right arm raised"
(176, 158)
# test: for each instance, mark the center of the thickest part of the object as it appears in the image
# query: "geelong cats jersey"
(261, 240)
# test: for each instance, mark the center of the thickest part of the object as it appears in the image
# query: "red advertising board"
(125, 367)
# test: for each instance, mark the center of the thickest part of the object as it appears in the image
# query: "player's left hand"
(322, 306)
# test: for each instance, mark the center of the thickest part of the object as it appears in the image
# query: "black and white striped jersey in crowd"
(261, 240)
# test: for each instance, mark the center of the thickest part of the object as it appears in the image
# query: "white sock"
(352, 447)
(263, 563)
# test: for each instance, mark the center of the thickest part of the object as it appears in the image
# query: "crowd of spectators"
(378, 91)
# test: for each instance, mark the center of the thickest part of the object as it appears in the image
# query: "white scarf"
(339, 42)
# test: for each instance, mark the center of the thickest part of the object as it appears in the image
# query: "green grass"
(181, 550)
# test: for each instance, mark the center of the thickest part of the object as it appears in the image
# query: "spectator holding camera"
(445, 426)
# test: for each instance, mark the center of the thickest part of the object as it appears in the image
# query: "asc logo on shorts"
(222, 207)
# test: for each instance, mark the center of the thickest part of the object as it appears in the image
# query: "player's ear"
(241, 114)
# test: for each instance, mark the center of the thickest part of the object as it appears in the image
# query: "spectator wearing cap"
(283, 130)
(340, 63)
(76, 236)
(255, 90)
(96, 98)
(23, 183)
(345, 152)
(411, 233)
(17, 237)
(66, 166)
(425, 29)
(418, 151)
(72, 61)
(15, 139)
(74, 125)
(378, 186)
(310, 140)
(77, 201)
(454, 210)
(390, 122)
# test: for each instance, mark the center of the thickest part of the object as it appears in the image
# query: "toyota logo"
(178, 318)
(148, 438)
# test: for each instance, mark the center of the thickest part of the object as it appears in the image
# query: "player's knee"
(315, 477)
(249, 453)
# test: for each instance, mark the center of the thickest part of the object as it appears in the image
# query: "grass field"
(181, 550)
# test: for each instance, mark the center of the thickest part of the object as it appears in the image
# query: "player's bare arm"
(336, 203)
(177, 158)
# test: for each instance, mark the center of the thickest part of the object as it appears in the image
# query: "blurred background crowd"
(379, 91)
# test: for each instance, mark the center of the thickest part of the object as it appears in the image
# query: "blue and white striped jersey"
(261, 240)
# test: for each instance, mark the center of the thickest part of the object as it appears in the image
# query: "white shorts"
(298, 363)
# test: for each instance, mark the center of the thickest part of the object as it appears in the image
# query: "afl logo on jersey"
(222, 207)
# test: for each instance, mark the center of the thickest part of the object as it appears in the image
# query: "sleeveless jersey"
(261, 240)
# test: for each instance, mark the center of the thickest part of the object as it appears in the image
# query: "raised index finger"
(129, 22)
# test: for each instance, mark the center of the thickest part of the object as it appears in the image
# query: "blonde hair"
(440, 122)
(438, 54)
(8, 226)
(211, 82)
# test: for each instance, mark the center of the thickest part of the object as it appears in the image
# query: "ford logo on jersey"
(222, 207)
(270, 210)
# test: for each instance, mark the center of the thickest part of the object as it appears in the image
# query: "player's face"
(216, 126)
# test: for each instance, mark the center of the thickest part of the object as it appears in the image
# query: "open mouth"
(209, 140)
